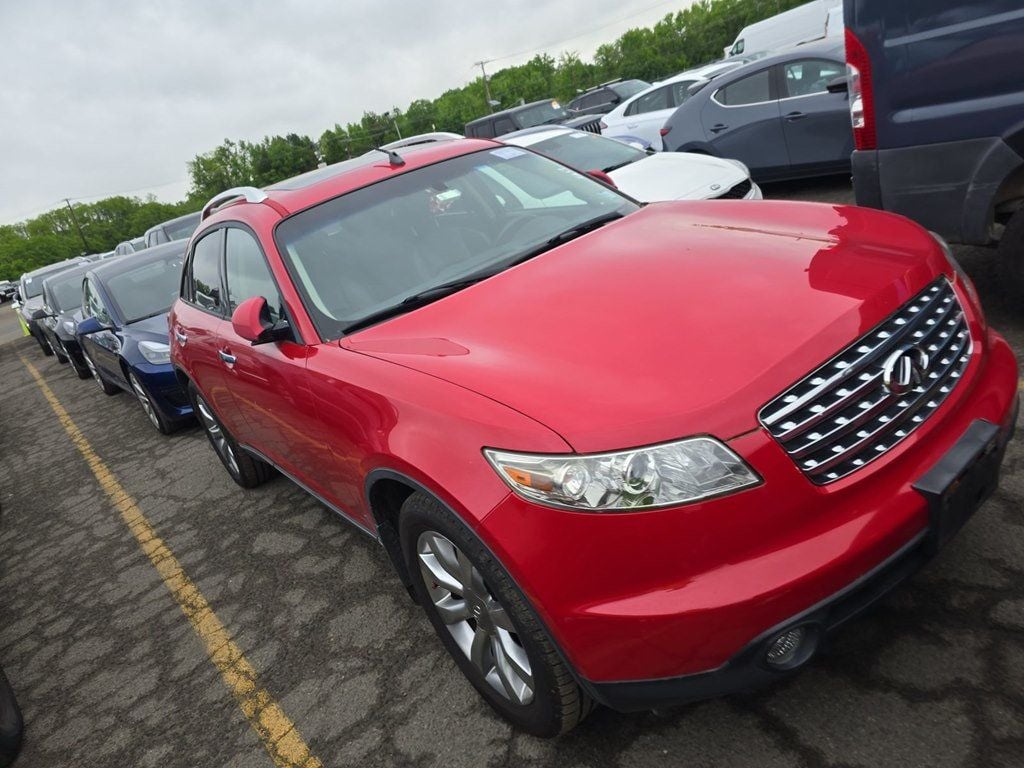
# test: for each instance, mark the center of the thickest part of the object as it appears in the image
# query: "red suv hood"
(683, 318)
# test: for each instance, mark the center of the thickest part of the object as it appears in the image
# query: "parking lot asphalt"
(110, 670)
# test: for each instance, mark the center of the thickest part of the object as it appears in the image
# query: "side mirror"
(839, 84)
(39, 314)
(89, 326)
(251, 320)
(17, 296)
(603, 177)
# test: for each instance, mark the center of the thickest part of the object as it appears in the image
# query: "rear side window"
(681, 91)
(247, 273)
(203, 285)
(752, 89)
(809, 76)
(650, 102)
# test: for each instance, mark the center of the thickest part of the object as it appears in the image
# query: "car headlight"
(739, 164)
(155, 352)
(68, 327)
(642, 478)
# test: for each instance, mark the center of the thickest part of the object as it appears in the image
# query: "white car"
(647, 176)
(641, 117)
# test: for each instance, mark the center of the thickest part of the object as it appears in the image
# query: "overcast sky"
(104, 98)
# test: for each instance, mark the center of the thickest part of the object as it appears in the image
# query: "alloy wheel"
(480, 625)
(144, 401)
(217, 436)
(92, 369)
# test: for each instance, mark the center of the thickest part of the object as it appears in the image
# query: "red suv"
(624, 454)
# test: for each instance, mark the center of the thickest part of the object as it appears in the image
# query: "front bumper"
(676, 604)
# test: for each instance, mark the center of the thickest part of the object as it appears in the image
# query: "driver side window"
(203, 284)
(92, 304)
(248, 275)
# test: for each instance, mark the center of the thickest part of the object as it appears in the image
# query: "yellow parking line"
(279, 735)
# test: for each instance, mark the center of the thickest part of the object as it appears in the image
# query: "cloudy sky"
(104, 98)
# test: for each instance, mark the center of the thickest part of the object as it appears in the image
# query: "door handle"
(181, 337)
(226, 358)
(718, 128)
(795, 116)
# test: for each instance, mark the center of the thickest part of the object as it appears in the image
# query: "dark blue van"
(937, 102)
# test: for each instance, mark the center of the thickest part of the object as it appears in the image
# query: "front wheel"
(161, 424)
(245, 469)
(106, 386)
(486, 624)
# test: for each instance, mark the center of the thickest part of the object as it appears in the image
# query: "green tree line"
(680, 40)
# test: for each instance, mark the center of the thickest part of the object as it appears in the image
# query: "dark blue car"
(123, 332)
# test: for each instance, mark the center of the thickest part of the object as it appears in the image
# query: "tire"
(43, 344)
(1011, 253)
(106, 386)
(11, 724)
(493, 622)
(82, 370)
(244, 468)
(58, 353)
(157, 419)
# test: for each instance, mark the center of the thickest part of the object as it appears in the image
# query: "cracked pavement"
(109, 672)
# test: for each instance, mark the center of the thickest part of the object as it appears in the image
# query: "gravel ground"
(110, 672)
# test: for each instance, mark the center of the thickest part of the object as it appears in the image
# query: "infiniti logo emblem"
(904, 369)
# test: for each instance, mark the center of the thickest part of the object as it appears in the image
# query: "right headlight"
(641, 478)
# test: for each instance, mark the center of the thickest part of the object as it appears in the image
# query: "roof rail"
(249, 194)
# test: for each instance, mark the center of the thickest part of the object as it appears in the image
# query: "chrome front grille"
(877, 391)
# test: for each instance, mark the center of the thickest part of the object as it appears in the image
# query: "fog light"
(786, 646)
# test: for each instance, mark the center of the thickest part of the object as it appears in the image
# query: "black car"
(603, 98)
(180, 228)
(30, 297)
(786, 116)
(61, 312)
(544, 112)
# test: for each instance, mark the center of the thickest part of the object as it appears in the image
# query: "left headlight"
(69, 327)
(155, 352)
(643, 478)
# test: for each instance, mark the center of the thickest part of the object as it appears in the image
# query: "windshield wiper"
(417, 300)
(436, 292)
(565, 236)
(616, 167)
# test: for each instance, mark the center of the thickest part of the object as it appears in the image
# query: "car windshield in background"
(146, 290)
(31, 287)
(630, 88)
(548, 112)
(588, 152)
(181, 230)
(369, 250)
(66, 293)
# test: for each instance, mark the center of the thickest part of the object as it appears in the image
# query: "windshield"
(370, 249)
(66, 292)
(181, 230)
(147, 289)
(630, 88)
(548, 112)
(588, 152)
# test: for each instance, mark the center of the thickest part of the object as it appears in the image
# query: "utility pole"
(394, 122)
(77, 226)
(487, 85)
